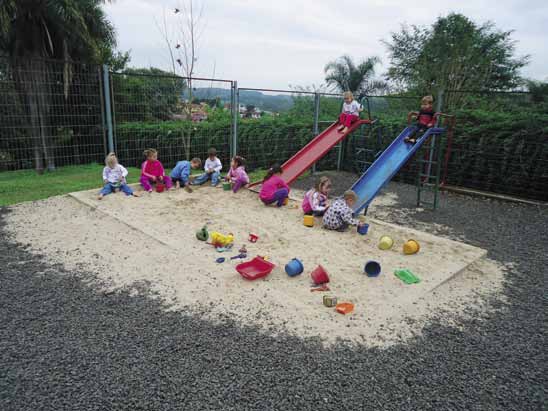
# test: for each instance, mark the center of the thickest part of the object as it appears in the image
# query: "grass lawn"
(26, 185)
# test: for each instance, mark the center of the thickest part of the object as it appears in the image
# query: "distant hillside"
(277, 103)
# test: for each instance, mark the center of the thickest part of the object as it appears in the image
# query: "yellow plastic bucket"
(385, 243)
(411, 247)
(308, 220)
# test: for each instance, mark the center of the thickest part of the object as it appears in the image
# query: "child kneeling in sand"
(152, 171)
(274, 189)
(237, 175)
(315, 199)
(114, 178)
(339, 215)
(180, 174)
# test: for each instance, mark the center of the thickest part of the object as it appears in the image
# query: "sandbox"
(152, 238)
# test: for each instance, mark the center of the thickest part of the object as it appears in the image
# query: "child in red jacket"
(425, 119)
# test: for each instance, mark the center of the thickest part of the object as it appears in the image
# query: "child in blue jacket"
(181, 172)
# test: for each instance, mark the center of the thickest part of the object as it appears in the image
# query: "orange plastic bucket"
(344, 308)
(308, 220)
(411, 247)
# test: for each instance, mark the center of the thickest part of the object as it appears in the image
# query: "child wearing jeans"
(350, 112)
(212, 169)
(274, 189)
(315, 199)
(237, 175)
(152, 171)
(114, 178)
(339, 215)
(425, 119)
(180, 174)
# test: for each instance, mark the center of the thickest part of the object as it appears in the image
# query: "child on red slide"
(152, 171)
(350, 112)
(425, 119)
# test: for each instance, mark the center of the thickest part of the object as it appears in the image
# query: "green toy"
(407, 276)
(202, 234)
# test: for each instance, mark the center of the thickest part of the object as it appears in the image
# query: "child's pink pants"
(147, 182)
(348, 119)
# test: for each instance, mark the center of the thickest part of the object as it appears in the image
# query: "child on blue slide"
(425, 119)
(181, 172)
(212, 168)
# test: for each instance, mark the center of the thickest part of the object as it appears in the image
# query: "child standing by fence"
(274, 189)
(350, 112)
(237, 175)
(114, 178)
(212, 168)
(315, 199)
(152, 171)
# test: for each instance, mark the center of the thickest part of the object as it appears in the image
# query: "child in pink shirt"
(152, 171)
(274, 189)
(237, 175)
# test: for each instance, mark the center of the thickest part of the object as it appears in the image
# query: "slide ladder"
(387, 165)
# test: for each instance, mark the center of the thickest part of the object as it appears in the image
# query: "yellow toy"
(220, 240)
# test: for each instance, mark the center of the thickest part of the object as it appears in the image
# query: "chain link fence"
(51, 114)
(55, 114)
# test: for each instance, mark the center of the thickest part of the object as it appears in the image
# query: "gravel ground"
(65, 344)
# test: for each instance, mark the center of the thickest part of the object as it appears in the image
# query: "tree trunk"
(32, 76)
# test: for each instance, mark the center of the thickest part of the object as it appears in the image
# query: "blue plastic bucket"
(362, 229)
(294, 267)
(372, 268)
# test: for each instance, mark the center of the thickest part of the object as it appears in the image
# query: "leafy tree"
(34, 30)
(454, 54)
(538, 90)
(346, 75)
(147, 94)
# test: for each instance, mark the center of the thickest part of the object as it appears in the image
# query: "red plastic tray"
(255, 269)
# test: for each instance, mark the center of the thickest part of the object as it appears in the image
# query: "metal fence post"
(108, 108)
(316, 126)
(235, 117)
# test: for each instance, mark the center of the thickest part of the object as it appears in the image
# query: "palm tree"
(32, 31)
(345, 75)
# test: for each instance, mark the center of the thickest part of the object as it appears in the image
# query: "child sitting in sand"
(114, 178)
(274, 189)
(315, 199)
(237, 175)
(339, 215)
(212, 169)
(180, 174)
(425, 119)
(350, 112)
(152, 171)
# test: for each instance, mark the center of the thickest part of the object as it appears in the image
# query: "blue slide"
(387, 165)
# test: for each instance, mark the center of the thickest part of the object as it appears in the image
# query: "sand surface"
(152, 239)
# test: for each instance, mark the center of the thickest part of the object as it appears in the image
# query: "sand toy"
(372, 268)
(411, 247)
(308, 220)
(255, 269)
(294, 267)
(319, 275)
(202, 234)
(407, 276)
(344, 308)
(221, 240)
(385, 243)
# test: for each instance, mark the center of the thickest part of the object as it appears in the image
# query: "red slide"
(314, 150)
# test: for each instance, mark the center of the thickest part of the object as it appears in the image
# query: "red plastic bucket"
(160, 187)
(319, 275)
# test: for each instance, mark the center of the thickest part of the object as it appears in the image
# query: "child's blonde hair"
(349, 194)
(150, 152)
(111, 160)
(427, 100)
(348, 94)
(321, 182)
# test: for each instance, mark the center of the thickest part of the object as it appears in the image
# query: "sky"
(283, 43)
